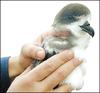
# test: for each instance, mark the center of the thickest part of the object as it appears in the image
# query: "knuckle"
(30, 53)
(60, 74)
(28, 50)
(50, 66)
(24, 49)
(24, 46)
(70, 54)
(66, 55)
(75, 62)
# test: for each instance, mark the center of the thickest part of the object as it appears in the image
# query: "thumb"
(30, 52)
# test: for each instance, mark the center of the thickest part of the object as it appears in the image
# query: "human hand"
(46, 76)
(28, 53)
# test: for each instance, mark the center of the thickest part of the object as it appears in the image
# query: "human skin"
(43, 77)
(29, 52)
(46, 76)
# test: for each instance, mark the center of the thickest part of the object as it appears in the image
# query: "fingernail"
(76, 62)
(80, 59)
(70, 54)
(40, 54)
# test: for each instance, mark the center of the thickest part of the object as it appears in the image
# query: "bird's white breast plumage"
(77, 42)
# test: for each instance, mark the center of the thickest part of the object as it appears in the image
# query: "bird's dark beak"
(87, 28)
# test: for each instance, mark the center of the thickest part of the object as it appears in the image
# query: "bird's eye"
(56, 36)
(86, 24)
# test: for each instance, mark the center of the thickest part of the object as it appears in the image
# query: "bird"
(72, 31)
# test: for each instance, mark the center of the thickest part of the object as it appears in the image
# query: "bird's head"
(74, 18)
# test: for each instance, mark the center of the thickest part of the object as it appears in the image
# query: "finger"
(61, 73)
(29, 53)
(50, 65)
(63, 88)
(27, 70)
(39, 40)
(33, 51)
